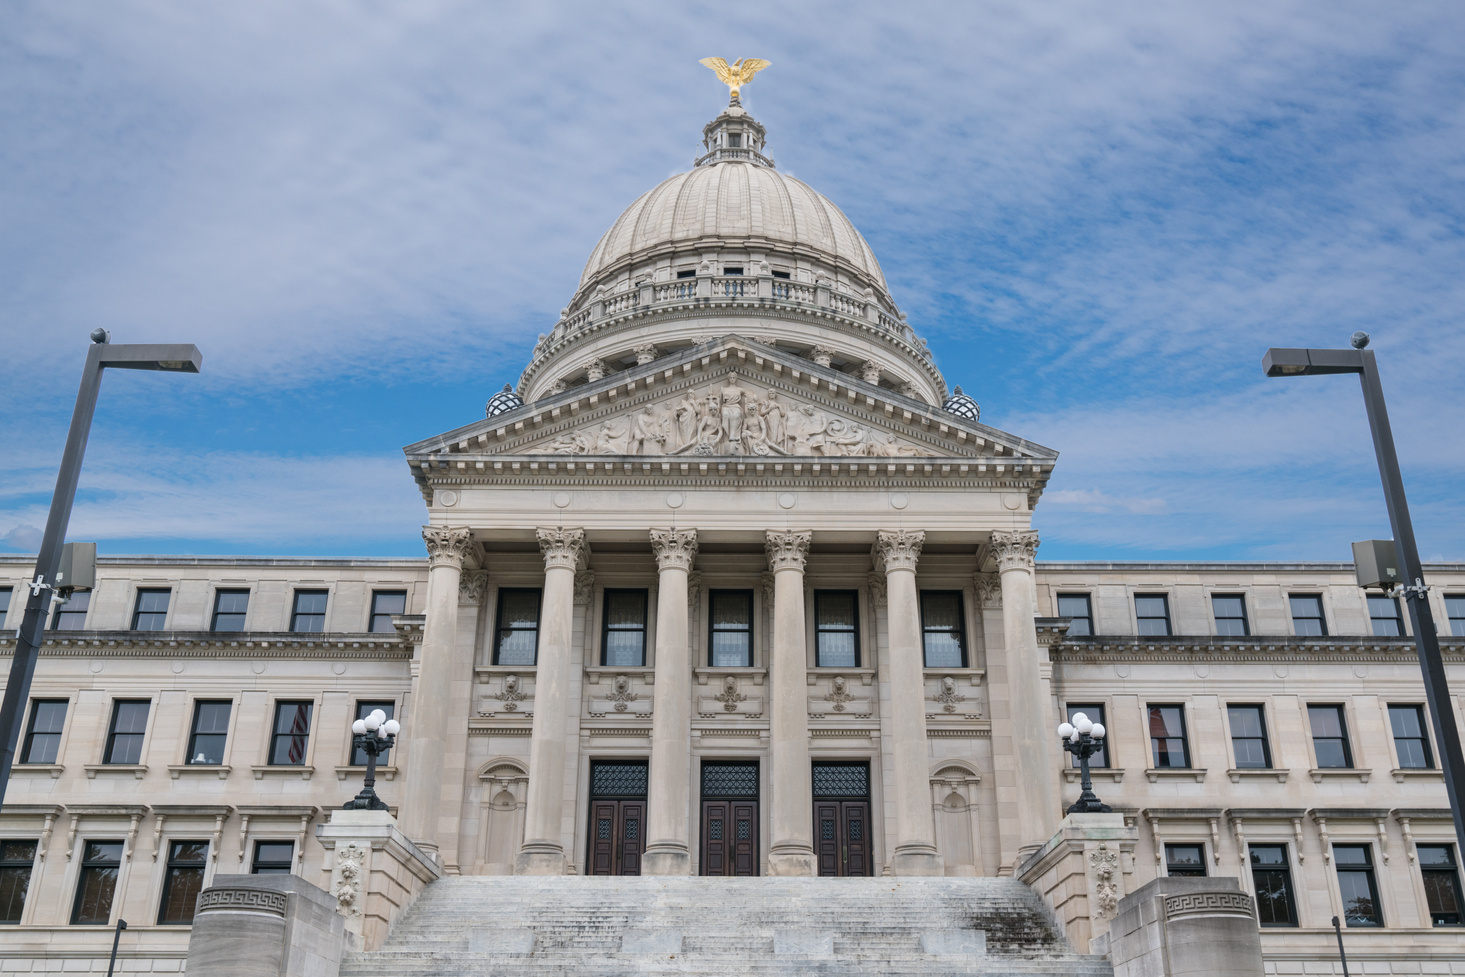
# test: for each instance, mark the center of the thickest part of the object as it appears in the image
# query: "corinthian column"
(896, 552)
(543, 851)
(427, 728)
(792, 850)
(668, 805)
(1036, 801)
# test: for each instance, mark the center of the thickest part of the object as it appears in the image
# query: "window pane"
(230, 610)
(836, 628)
(97, 884)
(942, 623)
(1167, 736)
(730, 649)
(1384, 612)
(625, 649)
(5, 595)
(210, 730)
(625, 628)
(1095, 712)
(1307, 615)
(183, 881)
(517, 647)
(1073, 605)
(941, 611)
(129, 723)
(71, 616)
(1185, 860)
(1152, 614)
(43, 742)
(518, 627)
(731, 609)
(309, 614)
(152, 610)
(836, 650)
(16, 861)
(1230, 612)
(731, 613)
(1455, 611)
(519, 609)
(273, 857)
(292, 733)
(1273, 880)
(1441, 883)
(625, 609)
(385, 603)
(1356, 885)
(1329, 736)
(1249, 737)
(1409, 737)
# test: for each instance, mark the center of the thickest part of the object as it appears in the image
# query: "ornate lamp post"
(374, 736)
(1083, 738)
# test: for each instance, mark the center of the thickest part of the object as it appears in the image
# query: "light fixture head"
(359, 727)
(1098, 731)
(1083, 723)
(392, 727)
(1359, 339)
(1065, 730)
(100, 336)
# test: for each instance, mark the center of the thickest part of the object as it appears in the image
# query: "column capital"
(898, 549)
(446, 546)
(1015, 550)
(674, 548)
(787, 551)
(563, 548)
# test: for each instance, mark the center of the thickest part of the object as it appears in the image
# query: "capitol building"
(734, 582)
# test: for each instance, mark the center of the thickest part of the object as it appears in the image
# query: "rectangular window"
(687, 273)
(183, 881)
(43, 738)
(1410, 739)
(1230, 611)
(1249, 737)
(781, 274)
(124, 737)
(1455, 611)
(309, 613)
(1330, 737)
(1441, 883)
(151, 611)
(71, 616)
(943, 628)
(1152, 614)
(292, 734)
(385, 603)
(364, 709)
(230, 608)
(1185, 860)
(623, 636)
(1384, 613)
(836, 629)
(730, 613)
(1079, 609)
(1307, 615)
(1272, 876)
(5, 595)
(1167, 737)
(97, 883)
(17, 858)
(733, 270)
(517, 642)
(210, 729)
(273, 858)
(1095, 712)
(1357, 885)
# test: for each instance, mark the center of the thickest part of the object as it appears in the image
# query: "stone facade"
(730, 529)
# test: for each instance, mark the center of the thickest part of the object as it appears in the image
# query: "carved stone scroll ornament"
(730, 696)
(563, 548)
(839, 694)
(989, 589)
(898, 549)
(948, 697)
(471, 587)
(512, 694)
(1106, 891)
(347, 888)
(446, 547)
(876, 583)
(787, 551)
(584, 586)
(674, 548)
(622, 693)
(1015, 550)
(731, 419)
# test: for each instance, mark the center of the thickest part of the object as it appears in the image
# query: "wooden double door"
(730, 837)
(617, 836)
(842, 836)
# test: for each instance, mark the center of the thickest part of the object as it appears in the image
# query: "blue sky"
(1099, 214)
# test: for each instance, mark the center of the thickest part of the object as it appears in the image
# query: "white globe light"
(1065, 730)
(1079, 718)
(375, 718)
(1083, 724)
(359, 727)
(1098, 731)
(1075, 737)
(392, 727)
(381, 732)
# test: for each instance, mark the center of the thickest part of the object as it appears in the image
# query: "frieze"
(243, 900)
(1073, 649)
(1208, 904)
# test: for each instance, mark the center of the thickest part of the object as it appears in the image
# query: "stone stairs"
(603, 927)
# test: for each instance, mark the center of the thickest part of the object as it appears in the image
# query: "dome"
(734, 200)
(503, 401)
(962, 406)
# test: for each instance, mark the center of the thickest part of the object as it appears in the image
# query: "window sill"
(647, 673)
(382, 773)
(1319, 774)
(1237, 774)
(138, 770)
(260, 769)
(54, 769)
(755, 672)
(1116, 774)
(483, 670)
(177, 770)
(866, 673)
(1418, 773)
(1156, 774)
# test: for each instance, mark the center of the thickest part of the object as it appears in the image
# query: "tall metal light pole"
(174, 358)
(1315, 362)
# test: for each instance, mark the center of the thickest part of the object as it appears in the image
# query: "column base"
(540, 860)
(915, 860)
(666, 859)
(792, 860)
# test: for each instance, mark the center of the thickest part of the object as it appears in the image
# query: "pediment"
(733, 398)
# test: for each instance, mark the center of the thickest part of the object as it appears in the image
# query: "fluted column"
(792, 820)
(543, 851)
(896, 552)
(426, 733)
(1031, 712)
(668, 804)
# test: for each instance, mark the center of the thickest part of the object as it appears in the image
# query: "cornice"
(233, 645)
(1101, 649)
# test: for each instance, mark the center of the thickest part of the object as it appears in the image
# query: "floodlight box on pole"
(171, 357)
(1376, 564)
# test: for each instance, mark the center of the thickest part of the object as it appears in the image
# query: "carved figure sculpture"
(737, 74)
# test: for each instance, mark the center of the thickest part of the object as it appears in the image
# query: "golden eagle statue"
(737, 74)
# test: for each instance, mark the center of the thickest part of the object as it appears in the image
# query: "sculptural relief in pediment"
(731, 417)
